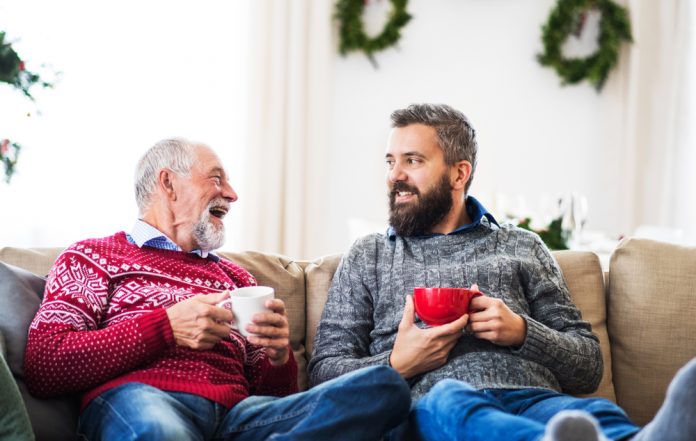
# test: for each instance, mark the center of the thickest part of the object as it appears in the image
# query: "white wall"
(536, 138)
(133, 72)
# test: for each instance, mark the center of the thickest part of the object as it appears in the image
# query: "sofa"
(642, 309)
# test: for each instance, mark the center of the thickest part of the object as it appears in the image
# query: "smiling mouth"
(218, 212)
(403, 196)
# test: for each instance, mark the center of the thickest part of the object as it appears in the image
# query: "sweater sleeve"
(266, 379)
(343, 339)
(557, 337)
(68, 350)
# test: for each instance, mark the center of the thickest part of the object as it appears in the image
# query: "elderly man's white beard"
(209, 236)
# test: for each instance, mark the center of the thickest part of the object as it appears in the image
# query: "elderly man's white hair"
(176, 154)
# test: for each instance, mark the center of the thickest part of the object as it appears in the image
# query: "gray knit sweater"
(367, 297)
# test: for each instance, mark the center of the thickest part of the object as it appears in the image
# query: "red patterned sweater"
(103, 323)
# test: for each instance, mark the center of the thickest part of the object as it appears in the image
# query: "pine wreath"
(352, 32)
(614, 29)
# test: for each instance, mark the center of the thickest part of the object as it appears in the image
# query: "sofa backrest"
(304, 286)
(36, 260)
(648, 309)
(651, 310)
(585, 279)
(319, 274)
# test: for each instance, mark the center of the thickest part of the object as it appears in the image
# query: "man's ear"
(461, 172)
(165, 182)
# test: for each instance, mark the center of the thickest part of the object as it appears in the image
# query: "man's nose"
(396, 174)
(228, 192)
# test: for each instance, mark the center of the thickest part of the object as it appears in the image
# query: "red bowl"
(437, 306)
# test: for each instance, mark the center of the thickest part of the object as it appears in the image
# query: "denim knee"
(150, 429)
(446, 393)
(445, 389)
(394, 391)
(448, 386)
(385, 375)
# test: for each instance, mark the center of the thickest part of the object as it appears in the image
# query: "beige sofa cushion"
(286, 276)
(581, 270)
(36, 260)
(650, 344)
(318, 274)
(583, 274)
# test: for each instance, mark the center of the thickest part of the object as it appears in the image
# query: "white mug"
(246, 302)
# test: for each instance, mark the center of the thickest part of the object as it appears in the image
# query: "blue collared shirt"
(477, 213)
(144, 234)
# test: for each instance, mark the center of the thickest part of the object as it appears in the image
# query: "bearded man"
(525, 347)
(130, 323)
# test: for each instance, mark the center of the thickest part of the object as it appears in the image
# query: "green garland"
(14, 73)
(615, 28)
(352, 33)
(12, 70)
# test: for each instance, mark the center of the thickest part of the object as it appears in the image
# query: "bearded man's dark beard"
(419, 217)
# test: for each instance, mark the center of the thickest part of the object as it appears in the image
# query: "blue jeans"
(361, 405)
(452, 410)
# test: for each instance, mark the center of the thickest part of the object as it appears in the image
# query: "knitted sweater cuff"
(535, 343)
(382, 358)
(282, 378)
(156, 330)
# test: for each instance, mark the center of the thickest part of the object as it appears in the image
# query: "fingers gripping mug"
(246, 302)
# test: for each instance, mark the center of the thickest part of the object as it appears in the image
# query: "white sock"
(573, 425)
(676, 419)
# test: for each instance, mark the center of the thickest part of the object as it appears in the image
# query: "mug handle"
(222, 305)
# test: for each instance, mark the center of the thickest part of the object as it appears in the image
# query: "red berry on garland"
(4, 147)
(21, 65)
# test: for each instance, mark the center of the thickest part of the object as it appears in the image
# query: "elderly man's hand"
(197, 323)
(272, 331)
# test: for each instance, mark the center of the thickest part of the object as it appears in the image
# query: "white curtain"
(660, 98)
(291, 55)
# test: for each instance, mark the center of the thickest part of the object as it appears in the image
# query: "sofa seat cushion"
(652, 305)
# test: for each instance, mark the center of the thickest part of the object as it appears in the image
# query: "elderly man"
(130, 322)
(526, 342)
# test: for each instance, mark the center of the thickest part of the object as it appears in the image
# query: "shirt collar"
(477, 213)
(144, 234)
